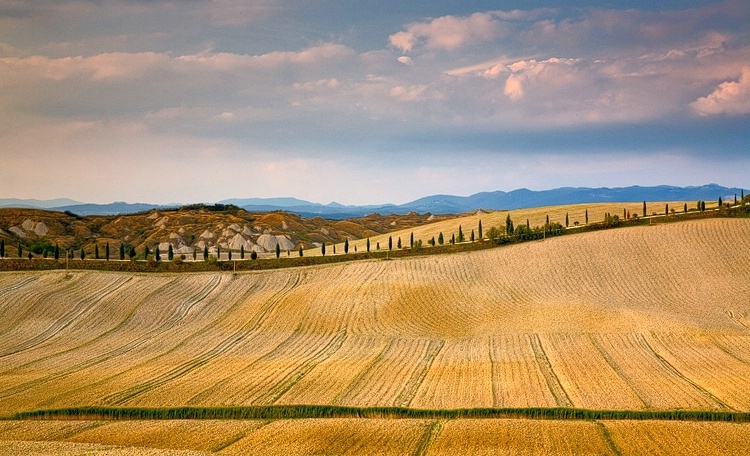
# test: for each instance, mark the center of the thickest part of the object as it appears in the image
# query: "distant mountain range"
(435, 204)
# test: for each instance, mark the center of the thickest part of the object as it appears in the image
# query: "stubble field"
(642, 318)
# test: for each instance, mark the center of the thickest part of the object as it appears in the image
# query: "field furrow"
(721, 375)
(684, 438)
(517, 378)
(460, 376)
(550, 377)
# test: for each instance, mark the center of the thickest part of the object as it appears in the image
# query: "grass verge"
(274, 412)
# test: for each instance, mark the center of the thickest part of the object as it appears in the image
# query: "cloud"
(406, 60)
(730, 98)
(447, 32)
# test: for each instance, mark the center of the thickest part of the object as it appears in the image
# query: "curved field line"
(553, 383)
(431, 434)
(17, 285)
(673, 370)
(173, 319)
(303, 369)
(611, 362)
(66, 320)
(78, 366)
(411, 386)
(292, 283)
(608, 438)
(222, 347)
(354, 384)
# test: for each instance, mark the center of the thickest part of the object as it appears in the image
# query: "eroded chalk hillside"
(649, 317)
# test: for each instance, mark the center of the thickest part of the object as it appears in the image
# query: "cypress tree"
(685, 208)
(666, 209)
(218, 252)
(205, 253)
(411, 240)
(508, 223)
(472, 235)
(346, 245)
(460, 234)
(83, 254)
(720, 202)
(368, 245)
(96, 251)
(453, 239)
(146, 253)
(20, 251)
(432, 241)
(480, 230)
(106, 251)
(195, 253)
(546, 223)
(57, 251)
(132, 253)
(300, 251)
(587, 216)
(2, 248)
(334, 249)
(567, 223)
(398, 243)
(644, 208)
(440, 238)
(242, 252)
(323, 249)
(122, 251)
(390, 242)
(157, 254)
(230, 255)
(253, 255)
(377, 245)
(170, 253)
(703, 206)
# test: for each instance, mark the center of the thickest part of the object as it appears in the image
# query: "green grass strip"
(274, 412)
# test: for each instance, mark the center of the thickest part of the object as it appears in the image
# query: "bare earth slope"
(642, 318)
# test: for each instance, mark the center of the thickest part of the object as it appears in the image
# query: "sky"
(184, 101)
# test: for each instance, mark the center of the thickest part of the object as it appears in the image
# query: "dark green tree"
(122, 251)
(170, 253)
(684, 209)
(666, 209)
(20, 251)
(453, 239)
(157, 254)
(323, 249)
(146, 253)
(508, 225)
(218, 252)
(479, 231)
(587, 216)
(57, 251)
(398, 243)
(253, 255)
(334, 249)
(346, 245)
(432, 241)
(441, 239)
(567, 221)
(720, 202)
(131, 253)
(242, 252)
(195, 253)
(230, 255)
(96, 251)
(106, 251)
(300, 251)
(460, 234)
(644, 208)
(390, 243)
(377, 246)
(472, 235)
(411, 240)
(368, 245)
(2, 248)
(547, 221)
(83, 254)
(278, 250)
(703, 206)
(205, 253)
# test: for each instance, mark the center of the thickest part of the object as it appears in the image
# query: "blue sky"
(368, 102)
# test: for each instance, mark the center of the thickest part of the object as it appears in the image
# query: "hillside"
(636, 318)
(187, 229)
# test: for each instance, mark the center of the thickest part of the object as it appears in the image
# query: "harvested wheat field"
(640, 318)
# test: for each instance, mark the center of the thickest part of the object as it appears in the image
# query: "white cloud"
(405, 59)
(731, 98)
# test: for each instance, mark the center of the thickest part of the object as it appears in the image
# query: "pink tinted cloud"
(730, 98)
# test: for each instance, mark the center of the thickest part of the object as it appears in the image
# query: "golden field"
(640, 318)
